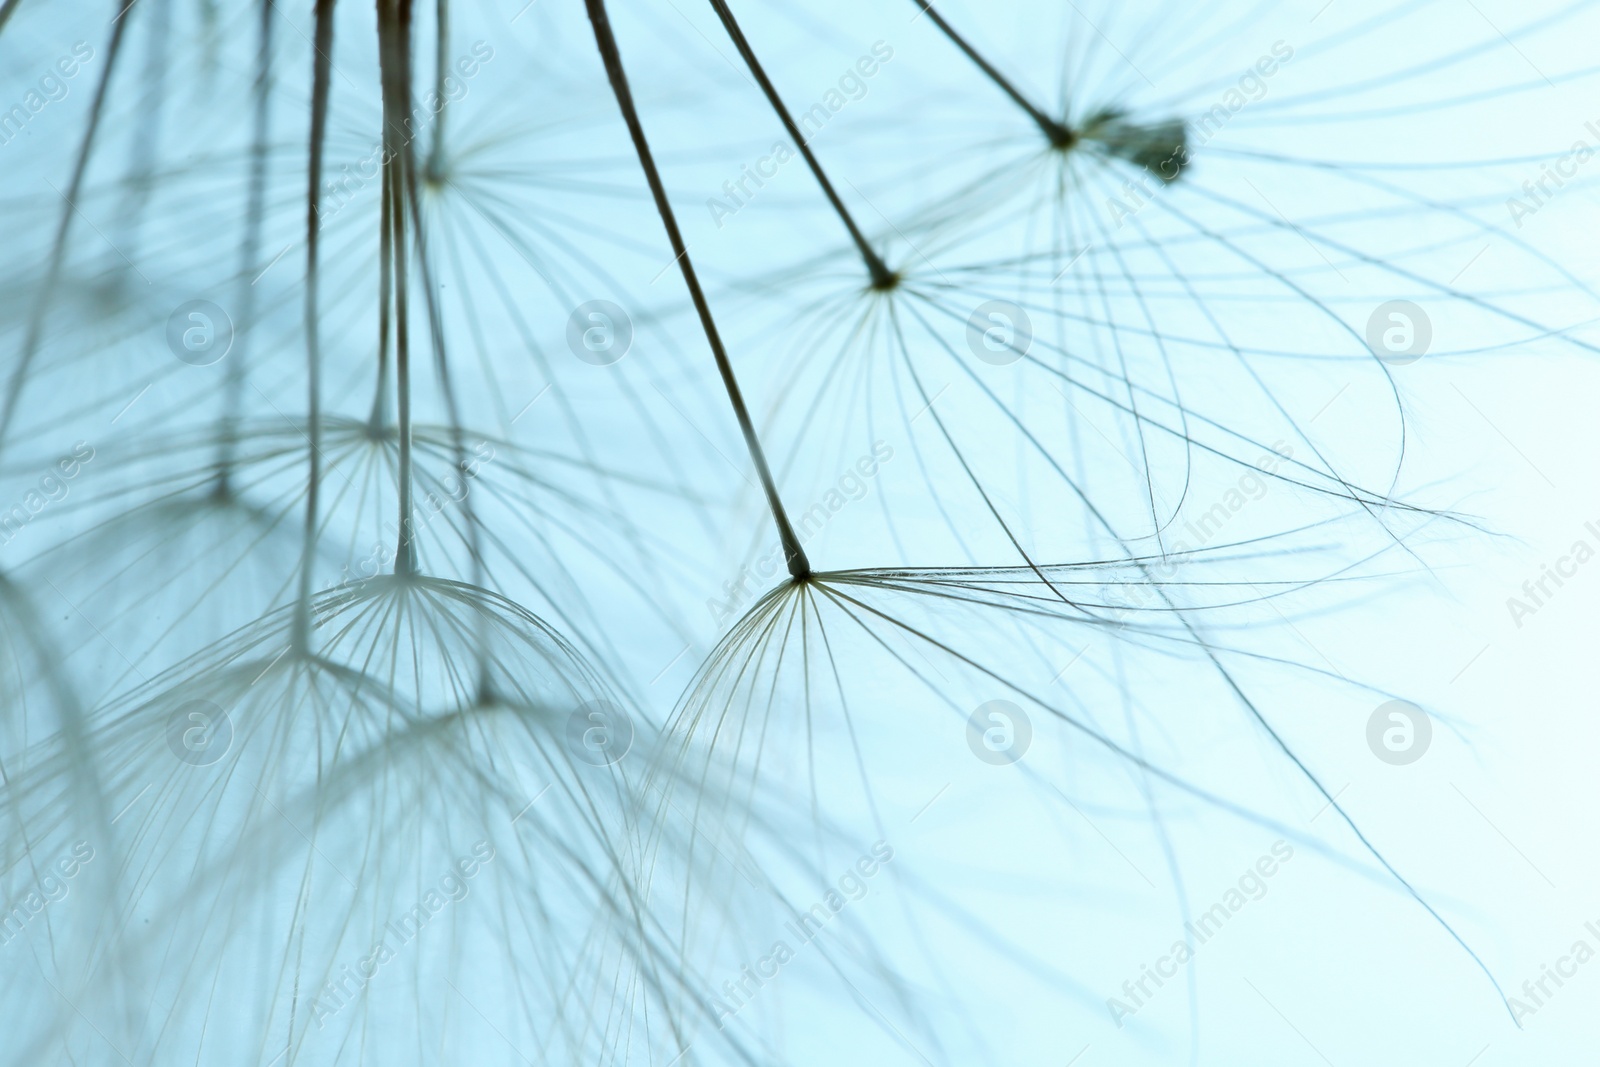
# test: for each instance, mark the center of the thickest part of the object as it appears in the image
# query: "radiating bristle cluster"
(480, 585)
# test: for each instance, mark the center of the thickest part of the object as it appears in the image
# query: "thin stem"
(8, 9)
(882, 276)
(380, 397)
(469, 507)
(436, 335)
(139, 184)
(405, 560)
(321, 83)
(249, 253)
(434, 169)
(1059, 133)
(394, 54)
(58, 250)
(799, 566)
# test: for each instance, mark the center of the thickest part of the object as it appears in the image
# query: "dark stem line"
(469, 507)
(249, 254)
(1059, 133)
(405, 550)
(58, 250)
(434, 169)
(436, 334)
(394, 54)
(321, 82)
(138, 181)
(380, 397)
(8, 9)
(882, 276)
(799, 566)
